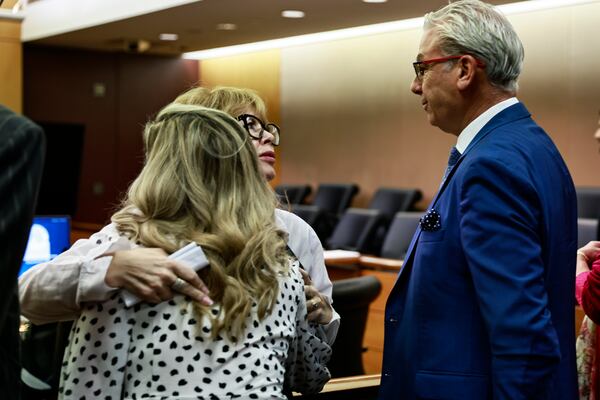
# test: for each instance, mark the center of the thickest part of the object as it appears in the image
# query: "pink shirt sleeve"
(579, 283)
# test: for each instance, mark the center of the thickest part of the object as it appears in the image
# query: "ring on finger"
(178, 284)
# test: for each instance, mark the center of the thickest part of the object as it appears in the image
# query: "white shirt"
(166, 351)
(471, 130)
(54, 291)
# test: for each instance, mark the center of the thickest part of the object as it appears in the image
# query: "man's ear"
(467, 69)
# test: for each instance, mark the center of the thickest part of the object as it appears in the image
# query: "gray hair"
(475, 28)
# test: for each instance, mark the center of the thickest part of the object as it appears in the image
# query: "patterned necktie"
(452, 160)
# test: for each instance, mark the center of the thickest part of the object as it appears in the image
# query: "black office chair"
(292, 194)
(351, 299)
(587, 230)
(356, 230)
(400, 234)
(315, 217)
(588, 202)
(42, 351)
(335, 198)
(390, 201)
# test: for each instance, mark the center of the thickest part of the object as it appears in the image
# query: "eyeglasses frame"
(264, 127)
(420, 71)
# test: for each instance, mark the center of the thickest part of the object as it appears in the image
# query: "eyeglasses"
(422, 66)
(256, 128)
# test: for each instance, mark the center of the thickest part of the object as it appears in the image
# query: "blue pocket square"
(431, 221)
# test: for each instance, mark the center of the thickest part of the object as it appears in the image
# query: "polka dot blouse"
(165, 351)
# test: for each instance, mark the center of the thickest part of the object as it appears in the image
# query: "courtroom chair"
(335, 198)
(315, 217)
(587, 230)
(588, 202)
(42, 350)
(351, 299)
(356, 230)
(390, 201)
(399, 234)
(292, 194)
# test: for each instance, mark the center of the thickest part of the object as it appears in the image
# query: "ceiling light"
(292, 14)
(226, 26)
(347, 33)
(171, 37)
(374, 1)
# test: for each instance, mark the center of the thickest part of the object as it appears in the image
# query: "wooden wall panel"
(141, 95)
(350, 117)
(59, 89)
(259, 71)
(11, 62)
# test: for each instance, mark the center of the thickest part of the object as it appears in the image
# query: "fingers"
(305, 277)
(194, 287)
(149, 274)
(190, 276)
(319, 310)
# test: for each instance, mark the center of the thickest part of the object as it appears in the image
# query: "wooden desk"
(83, 230)
(381, 264)
(361, 387)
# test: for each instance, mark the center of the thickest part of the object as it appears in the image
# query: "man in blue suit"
(483, 307)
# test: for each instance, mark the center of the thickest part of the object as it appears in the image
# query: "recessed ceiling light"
(226, 27)
(374, 1)
(171, 37)
(292, 14)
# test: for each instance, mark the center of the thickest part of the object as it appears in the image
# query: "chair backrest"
(335, 198)
(351, 299)
(400, 234)
(356, 230)
(390, 201)
(310, 214)
(292, 194)
(587, 230)
(588, 202)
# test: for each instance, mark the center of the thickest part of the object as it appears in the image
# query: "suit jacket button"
(392, 320)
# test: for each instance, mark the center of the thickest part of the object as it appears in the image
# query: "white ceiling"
(110, 28)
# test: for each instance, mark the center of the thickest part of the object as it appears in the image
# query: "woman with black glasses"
(91, 272)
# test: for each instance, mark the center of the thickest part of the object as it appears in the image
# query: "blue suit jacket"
(484, 306)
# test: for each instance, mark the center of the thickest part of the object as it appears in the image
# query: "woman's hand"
(587, 255)
(150, 275)
(319, 310)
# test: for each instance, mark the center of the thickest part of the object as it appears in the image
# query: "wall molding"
(6, 14)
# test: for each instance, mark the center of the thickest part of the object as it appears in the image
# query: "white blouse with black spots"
(164, 351)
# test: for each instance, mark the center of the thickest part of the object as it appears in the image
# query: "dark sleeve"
(21, 163)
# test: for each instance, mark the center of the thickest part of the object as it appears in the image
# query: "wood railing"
(362, 387)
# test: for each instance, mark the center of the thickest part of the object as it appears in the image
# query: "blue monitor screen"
(49, 236)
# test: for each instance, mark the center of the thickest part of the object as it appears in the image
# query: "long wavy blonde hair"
(201, 183)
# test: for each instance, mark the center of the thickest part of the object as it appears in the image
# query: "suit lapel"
(510, 114)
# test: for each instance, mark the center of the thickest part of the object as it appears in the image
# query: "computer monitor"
(49, 236)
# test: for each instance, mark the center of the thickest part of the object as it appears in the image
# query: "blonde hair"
(234, 101)
(201, 183)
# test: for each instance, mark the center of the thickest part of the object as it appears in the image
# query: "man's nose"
(415, 86)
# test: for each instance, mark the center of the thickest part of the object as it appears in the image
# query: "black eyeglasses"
(256, 128)
(421, 66)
